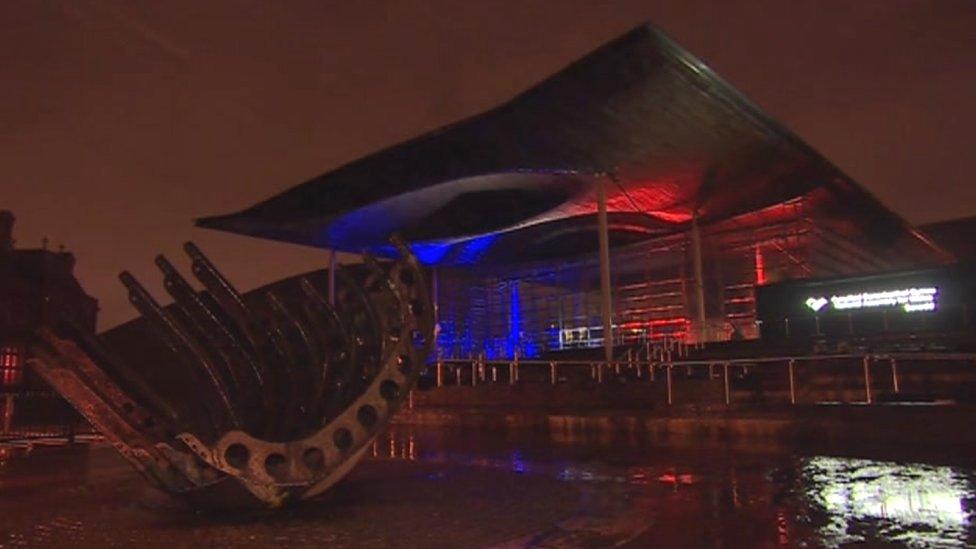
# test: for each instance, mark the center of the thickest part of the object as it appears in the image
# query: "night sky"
(121, 122)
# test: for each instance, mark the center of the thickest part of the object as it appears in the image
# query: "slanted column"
(605, 297)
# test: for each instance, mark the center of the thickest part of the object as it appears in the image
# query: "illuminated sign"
(909, 300)
(816, 303)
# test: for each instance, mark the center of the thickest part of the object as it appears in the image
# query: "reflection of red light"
(760, 267)
(653, 323)
(781, 527)
(664, 198)
(678, 320)
(672, 216)
(672, 478)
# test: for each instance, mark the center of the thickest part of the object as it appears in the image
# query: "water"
(855, 500)
(444, 488)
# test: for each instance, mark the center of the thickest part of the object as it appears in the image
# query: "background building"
(37, 289)
(692, 195)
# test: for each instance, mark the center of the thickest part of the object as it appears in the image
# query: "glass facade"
(531, 309)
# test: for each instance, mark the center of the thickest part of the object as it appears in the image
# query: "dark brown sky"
(122, 121)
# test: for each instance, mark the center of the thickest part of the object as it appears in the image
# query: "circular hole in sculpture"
(416, 307)
(237, 455)
(389, 390)
(406, 276)
(367, 416)
(342, 438)
(314, 459)
(418, 338)
(276, 465)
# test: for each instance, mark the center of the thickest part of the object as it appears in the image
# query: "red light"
(760, 267)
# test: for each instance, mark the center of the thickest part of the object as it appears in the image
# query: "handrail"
(713, 361)
(480, 365)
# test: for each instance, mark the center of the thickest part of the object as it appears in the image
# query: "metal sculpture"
(278, 392)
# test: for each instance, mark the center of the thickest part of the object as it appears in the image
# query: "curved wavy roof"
(517, 182)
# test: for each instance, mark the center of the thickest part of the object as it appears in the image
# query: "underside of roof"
(670, 139)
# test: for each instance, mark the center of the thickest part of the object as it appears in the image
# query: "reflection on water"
(857, 500)
(615, 492)
(819, 500)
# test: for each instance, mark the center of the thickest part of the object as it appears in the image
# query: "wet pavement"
(442, 488)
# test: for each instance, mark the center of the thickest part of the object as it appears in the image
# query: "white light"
(913, 504)
(816, 303)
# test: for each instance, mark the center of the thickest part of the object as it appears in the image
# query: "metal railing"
(482, 371)
(39, 415)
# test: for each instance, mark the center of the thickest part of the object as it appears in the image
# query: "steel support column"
(792, 366)
(696, 259)
(725, 378)
(867, 379)
(605, 297)
(670, 399)
(435, 300)
(894, 375)
(332, 280)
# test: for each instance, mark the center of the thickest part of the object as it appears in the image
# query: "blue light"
(358, 231)
(430, 254)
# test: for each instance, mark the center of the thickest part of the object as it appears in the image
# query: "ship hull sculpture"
(278, 393)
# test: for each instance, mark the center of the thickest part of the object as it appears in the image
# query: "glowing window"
(11, 369)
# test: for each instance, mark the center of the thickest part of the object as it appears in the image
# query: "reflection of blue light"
(468, 252)
(430, 254)
(472, 250)
(554, 341)
(342, 235)
(491, 350)
(514, 321)
(357, 230)
(518, 464)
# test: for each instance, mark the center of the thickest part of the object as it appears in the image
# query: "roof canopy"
(517, 182)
